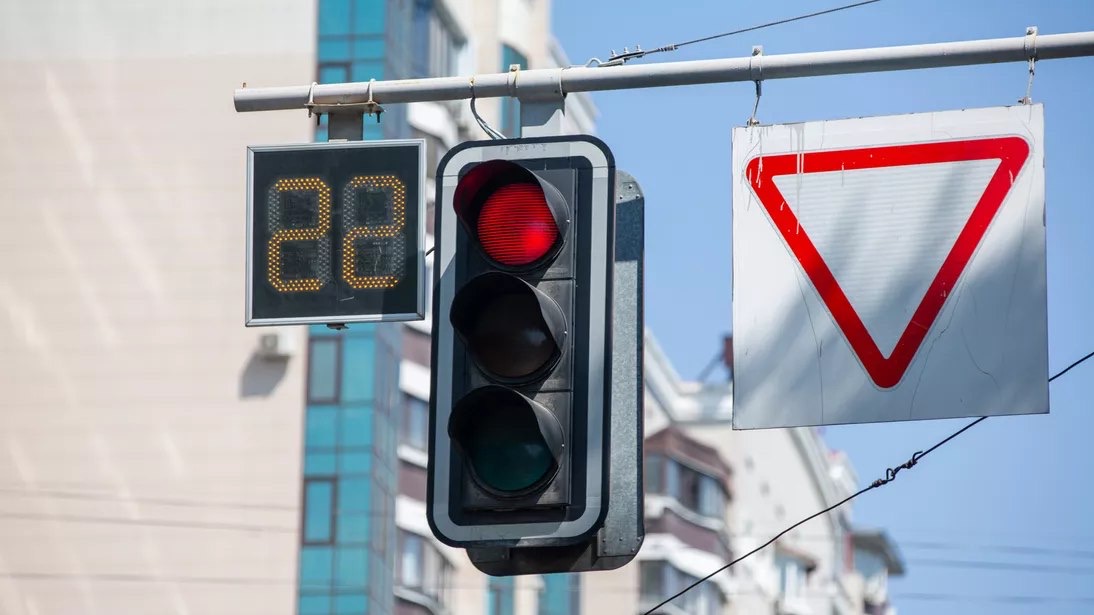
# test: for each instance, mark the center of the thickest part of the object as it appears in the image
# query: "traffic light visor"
(516, 218)
(512, 444)
(513, 332)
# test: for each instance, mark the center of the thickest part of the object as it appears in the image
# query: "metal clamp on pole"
(1030, 45)
(756, 71)
(369, 107)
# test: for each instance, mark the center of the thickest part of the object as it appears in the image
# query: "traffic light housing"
(521, 382)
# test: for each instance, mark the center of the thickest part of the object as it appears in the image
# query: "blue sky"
(1011, 496)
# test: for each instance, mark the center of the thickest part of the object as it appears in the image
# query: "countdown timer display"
(335, 232)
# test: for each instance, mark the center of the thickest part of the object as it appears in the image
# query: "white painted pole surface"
(552, 82)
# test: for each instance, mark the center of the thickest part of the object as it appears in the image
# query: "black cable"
(1069, 367)
(890, 476)
(638, 53)
(761, 547)
(776, 23)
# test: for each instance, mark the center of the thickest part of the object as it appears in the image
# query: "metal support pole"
(544, 83)
(541, 118)
(346, 126)
(542, 101)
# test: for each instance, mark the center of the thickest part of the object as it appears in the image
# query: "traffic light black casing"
(522, 348)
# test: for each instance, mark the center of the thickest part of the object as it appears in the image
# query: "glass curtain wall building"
(365, 547)
(348, 535)
(348, 530)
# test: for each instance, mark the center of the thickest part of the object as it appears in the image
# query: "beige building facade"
(149, 456)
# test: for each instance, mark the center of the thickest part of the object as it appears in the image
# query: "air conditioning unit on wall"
(277, 345)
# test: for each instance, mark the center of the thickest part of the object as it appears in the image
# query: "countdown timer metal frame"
(418, 260)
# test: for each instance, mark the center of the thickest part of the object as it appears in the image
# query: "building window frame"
(427, 572)
(414, 426)
(694, 489)
(308, 507)
(659, 578)
(313, 343)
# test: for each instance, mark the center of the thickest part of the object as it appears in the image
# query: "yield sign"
(889, 268)
(886, 371)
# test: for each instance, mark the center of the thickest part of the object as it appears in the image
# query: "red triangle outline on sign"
(886, 372)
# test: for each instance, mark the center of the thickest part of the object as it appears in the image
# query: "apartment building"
(714, 494)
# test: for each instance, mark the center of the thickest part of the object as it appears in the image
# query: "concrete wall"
(149, 463)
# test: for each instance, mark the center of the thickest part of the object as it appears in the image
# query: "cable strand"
(618, 59)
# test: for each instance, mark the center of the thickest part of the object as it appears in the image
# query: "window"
(499, 596)
(510, 107)
(318, 511)
(324, 369)
(659, 579)
(415, 427)
(436, 44)
(561, 595)
(421, 567)
(695, 490)
(410, 560)
(793, 575)
(712, 500)
(653, 472)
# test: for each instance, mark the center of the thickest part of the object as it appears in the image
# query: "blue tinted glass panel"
(357, 374)
(353, 528)
(321, 133)
(368, 17)
(376, 131)
(368, 49)
(351, 604)
(323, 368)
(316, 567)
(321, 429)
(322, 330)
(318, 510)
(351, 568)
(363, 70)
(556, 597)
(334, 16)
(314, 605)
(334, 50)
(499, 596)
(333, 74)
(320, 464)
(356, 429)
(356, 463)
(353, 495)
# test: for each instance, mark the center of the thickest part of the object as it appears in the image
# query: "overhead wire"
(617, 59)
(890, 476)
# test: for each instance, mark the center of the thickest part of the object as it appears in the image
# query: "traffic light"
(522, 343)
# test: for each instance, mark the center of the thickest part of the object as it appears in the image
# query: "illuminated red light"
(515, 225)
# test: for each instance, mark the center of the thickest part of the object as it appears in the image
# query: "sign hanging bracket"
(1030, 45)
(756, 70)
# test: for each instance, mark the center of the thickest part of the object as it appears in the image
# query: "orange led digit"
(318, 233)
(386, 239)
